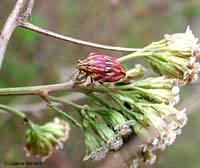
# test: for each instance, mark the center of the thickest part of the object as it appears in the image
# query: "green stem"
(130, 87)
(32, 125)
(146, 51)
(66, 102)
(133, 55)
(126, 87)
(100, 100)
(34, 90)
(70, 118)
(13, 111)
(126, 110)
(18, 114)
(120, 104)
(89, 89)
(48, 89)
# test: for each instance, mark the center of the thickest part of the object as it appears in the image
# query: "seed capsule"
(101, 68)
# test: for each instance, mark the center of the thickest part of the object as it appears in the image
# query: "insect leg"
(81, 81)
(72, 76)
(92, 82)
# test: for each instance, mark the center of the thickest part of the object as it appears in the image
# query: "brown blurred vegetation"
(34, 59)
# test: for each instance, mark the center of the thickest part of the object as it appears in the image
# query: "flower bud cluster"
(154, 99)
(144, 108)
(175, 56)
(43, 140)
(101, 137)
(137, 107)
(135, 73)
(175, 59)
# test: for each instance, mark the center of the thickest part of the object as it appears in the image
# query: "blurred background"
(34, 59)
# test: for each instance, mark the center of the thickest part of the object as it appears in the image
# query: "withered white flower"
(135, 73)
(125, 129)
(161, 124)
(155, 90)
(182, 42)
(175, 56)
(148, 157)
(113, 141)
(95, 149)
(171, 115)
(119, 123)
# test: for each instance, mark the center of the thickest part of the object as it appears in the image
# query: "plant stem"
(100, 100)
(27, 14)
(125, 110)
(40, 30)
(34, 90)
(146, 51)
(120, 104)
(133, 55)
(9, 27)
(48, 89)
(19, 114)
(64, 114)
(13, 111)
(59, 100)
(32, 125)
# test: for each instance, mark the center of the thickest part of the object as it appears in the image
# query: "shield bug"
(101, 68)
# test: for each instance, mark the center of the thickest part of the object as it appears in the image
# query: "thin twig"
(64, 114)
(36, 108)
(12, 111)
(9, 27)
(27, 14)
(38, 29)
(66, 102)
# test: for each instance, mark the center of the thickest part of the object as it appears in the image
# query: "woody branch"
(15, 19)
(9, 27)
(43, 31)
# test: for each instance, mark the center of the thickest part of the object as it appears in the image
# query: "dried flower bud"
(175, 56)
(120, 124)
(44, 140)
(155, 90)
(161, 124)
(147, 156)
(166, 96)
(95, 149)
(144, 156)
(113, 141)
(182, 43)
(172, 116)
(135, 73)
(161, 82)
(160, 96)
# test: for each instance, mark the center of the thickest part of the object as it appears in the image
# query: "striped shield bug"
(101, 68)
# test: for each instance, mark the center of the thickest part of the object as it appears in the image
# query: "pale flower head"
(95, 149)
(43, 140)
(182, 42)
(175, 57)
(113, 141)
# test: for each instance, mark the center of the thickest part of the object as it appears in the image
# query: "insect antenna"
(68, 60)
(75, 73)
